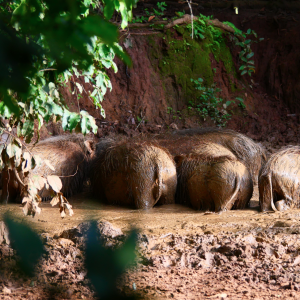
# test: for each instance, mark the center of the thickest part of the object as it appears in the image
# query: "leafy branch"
(44, 44)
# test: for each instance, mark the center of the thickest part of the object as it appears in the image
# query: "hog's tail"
(271, 192)
(158, 183)
(237, 188)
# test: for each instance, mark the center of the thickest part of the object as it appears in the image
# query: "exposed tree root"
(186, 19)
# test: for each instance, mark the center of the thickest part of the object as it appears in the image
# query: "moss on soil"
(183, 58)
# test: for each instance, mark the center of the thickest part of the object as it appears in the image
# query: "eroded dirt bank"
(153, 95)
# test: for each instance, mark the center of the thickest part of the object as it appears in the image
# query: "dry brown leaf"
(37, 209)
(62, 213)
(32, 190)
(38, 198)
(69, 208)
(38, 160)
(151, 18)
(31, 207)
(54, 200)
(26, 165)
(55, 183)
(46, 186)
(47, 162)
(25, 199)
(38, 181)
(63, 205)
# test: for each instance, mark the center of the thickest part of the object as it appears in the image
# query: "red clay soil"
(270, 101)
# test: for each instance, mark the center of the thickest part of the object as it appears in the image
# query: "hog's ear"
(90, 146)
(178, 159)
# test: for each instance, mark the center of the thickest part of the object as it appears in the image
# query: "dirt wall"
(154, 93)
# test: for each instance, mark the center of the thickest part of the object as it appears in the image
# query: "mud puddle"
(183, 254)
(159, 220)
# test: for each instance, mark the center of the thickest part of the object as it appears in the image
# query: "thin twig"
(144, 33)
(15, 137)
(76, 93)
(50, 69)
(73, 174)
(140, 123)
(192, 21)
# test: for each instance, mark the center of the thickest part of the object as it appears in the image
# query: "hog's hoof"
(281, 205)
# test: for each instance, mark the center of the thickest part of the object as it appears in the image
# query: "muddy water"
(157, 221)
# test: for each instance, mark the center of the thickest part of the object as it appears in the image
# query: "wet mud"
(182, 253)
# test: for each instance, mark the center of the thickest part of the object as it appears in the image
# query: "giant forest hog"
(214, 181)
(244, 148)
(137, 174)
(69, 155)
(280, 180)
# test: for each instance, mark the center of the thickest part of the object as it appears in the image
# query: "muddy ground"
(183, 254)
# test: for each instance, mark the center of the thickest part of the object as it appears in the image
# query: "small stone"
(282, 224)
(174, 126)
(297, 260)
(6, 290)
(109, 230)
(65, 242)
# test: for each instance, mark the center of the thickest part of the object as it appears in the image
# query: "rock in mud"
(4, 239)
(78, 234)
(109, 230)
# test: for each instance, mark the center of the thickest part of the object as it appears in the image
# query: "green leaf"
(114, 66)
(244, 72)
(250, 55)
(241, 53)
(27, 129)
(73, 121)
(65, 118)
(26, 242)
(79, 86)
(250, 62)
(105, 266)
(242, 67)
(106, 64)
(95, 25)
(41, 121)
(228, 103)
(9, 105)
(119, 52)
(109, 9)
(84, 123)
(87, 123)
(53, 108)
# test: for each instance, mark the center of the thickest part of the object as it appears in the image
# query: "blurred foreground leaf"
(26, 242)
(105, 266)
